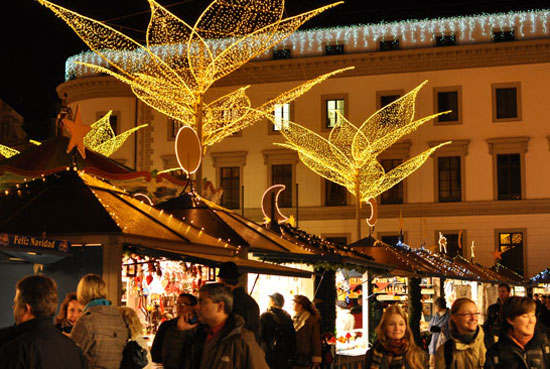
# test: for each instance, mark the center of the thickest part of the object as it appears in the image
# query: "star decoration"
(77, 130)
(291, 220)
(497, 255)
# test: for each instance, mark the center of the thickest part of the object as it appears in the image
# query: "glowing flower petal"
(7, 152)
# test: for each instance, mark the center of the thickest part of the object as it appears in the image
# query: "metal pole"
(242, 201)
(198, 124)
(358, 206)
(319, 285)
(297, 207)
(254, 285)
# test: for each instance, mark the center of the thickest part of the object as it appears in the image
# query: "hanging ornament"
(371, 221)
(188, 150)
(442, 243)
(270, 204)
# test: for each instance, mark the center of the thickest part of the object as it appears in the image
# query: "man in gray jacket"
(218, 341)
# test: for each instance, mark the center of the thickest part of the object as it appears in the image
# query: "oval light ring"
(371, 221)
(188, 149)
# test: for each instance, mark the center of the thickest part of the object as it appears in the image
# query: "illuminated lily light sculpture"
(173, 72)
(349, 156)
(102, 139)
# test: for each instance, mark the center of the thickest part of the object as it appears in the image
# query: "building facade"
(489, 188)
(11, 126)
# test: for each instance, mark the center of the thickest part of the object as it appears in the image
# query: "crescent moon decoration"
(267, 204)
(188, 149)
(371, 221)
(143, 198)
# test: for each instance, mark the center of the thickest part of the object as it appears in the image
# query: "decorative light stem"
(357, 202)
(199, 102)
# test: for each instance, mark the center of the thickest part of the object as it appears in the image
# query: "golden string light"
(349, 156)
(102, 139)
(8, 152)
(180, 63)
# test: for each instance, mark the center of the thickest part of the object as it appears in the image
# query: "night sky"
(35, 44)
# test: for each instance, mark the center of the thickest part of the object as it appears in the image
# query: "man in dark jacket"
(243, 304)
(185, 303)
(34, 342)
(278, 335)
(491, 327)
(218, 341)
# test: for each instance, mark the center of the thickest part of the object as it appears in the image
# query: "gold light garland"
(349, 155)
(179, 63)
(8, 152)
(102, 139)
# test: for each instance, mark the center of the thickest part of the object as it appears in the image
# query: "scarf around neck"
(97, 302)
(389, 355)
(300, 320)
(466, 338)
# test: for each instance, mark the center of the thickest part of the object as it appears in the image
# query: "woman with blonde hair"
(136, 330)
(100, 332)
(395, 347)
(464, 348)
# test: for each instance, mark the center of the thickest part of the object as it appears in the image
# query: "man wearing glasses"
(217, 340)
(184, 304)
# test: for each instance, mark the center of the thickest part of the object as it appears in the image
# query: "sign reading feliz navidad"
(14, 241)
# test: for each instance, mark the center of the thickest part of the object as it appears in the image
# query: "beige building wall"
(473, 68)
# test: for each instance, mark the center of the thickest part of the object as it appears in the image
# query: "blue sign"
(17, 242)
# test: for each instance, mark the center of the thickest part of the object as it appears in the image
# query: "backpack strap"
(495, 358)
(448, 352)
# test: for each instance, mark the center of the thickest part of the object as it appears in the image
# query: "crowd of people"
(512, 337)
(222, 328)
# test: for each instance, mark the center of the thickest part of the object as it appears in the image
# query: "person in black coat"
(185, 303)
(519, 346)
(278, 336)
(491, 327)
(34, 342)
(243, 304)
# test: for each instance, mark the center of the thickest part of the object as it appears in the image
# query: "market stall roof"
(74, 203)
(244, 265)
(512, 276)
(487, 274)
(228, 225)
(51, 157)
(385, 254)
(424, 262)
(542, 277)
(324, 250)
